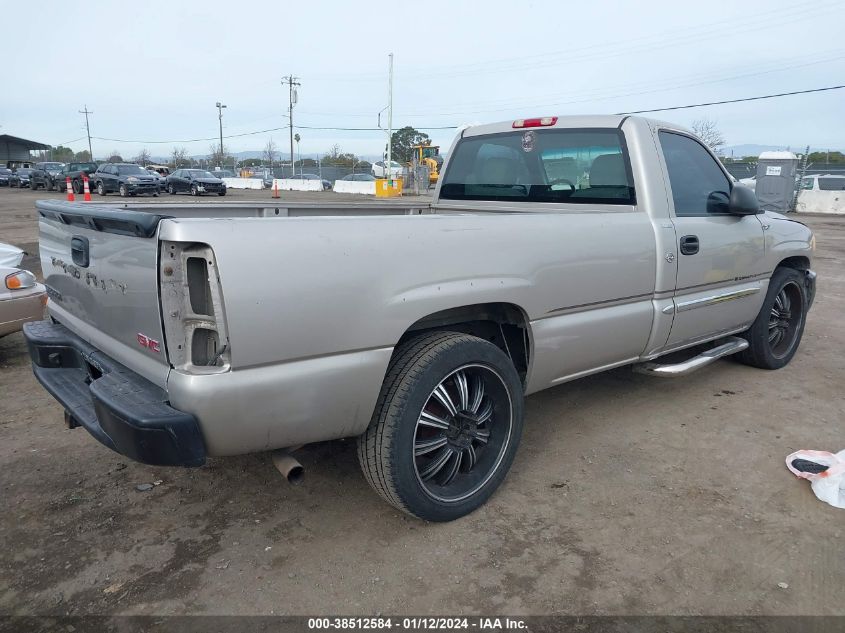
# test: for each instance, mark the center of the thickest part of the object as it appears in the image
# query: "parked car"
(5, 176)
(326, 184)
(379, 169)
(223, 173)
(45, 174)
(74, 171)
(127, 179)
(359, 177)
(554, 248)
(161, 181)
(10, 256)
(194, 181)
(22, 299)
(161, 170)
(20, 177)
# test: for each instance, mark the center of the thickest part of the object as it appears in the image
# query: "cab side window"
(699, 186)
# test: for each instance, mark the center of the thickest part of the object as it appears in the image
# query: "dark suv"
(127, 179)
(44, 175)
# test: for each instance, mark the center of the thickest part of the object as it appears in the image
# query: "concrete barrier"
(811, 201)
(244, 183)
(297, 184)
(365, 187)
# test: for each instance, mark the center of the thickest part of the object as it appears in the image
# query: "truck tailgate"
(100, 268)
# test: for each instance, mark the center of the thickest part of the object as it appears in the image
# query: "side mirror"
(743, 201)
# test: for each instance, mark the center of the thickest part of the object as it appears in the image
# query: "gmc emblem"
(149, 343)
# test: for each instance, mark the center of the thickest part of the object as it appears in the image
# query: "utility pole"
(86, 112)
(390, 123)
(292, 83)
(220, 107)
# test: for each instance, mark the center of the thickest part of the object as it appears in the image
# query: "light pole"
(220, 107)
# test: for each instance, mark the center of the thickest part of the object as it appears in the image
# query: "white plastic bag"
(829, 486)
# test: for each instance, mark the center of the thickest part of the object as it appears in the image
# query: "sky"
(153, 71)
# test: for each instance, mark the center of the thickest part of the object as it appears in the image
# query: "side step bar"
(733, 345)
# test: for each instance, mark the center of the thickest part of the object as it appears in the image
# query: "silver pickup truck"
(554, 248)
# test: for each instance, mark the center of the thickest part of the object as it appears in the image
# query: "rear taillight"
(192, 308)
(539, 122)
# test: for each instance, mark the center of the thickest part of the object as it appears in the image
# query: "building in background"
(15, 151)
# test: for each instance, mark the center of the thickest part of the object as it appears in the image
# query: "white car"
(21, 298)
(380, 169)
(10, 255)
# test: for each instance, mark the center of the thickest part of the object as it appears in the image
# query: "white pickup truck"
(554, 248)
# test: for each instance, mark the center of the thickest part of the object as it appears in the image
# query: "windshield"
(131, 170)
(431, 152)
(52, 166)
(576, 166)
(200, 173)
(3, 170)
(24, 171)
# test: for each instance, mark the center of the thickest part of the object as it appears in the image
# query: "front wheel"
(122, 191)
(76, 186)
(776, 333)
(101, 188)
(194, 190)
(221, 193)
(170, 190)
(446, 426)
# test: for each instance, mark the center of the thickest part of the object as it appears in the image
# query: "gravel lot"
(629, 495)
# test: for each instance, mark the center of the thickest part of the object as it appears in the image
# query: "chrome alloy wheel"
(785, 319)
(462, 433)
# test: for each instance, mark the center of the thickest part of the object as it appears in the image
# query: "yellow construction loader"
(429, 155)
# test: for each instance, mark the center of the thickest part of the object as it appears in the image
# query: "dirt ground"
(629, 495)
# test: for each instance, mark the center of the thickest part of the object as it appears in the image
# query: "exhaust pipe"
(289, 466)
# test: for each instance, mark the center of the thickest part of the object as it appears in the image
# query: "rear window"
(575, 166)
(832, 184)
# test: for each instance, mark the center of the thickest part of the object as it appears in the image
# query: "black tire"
(101, 188)
(388, 449)
(76, 186)
(122, 191)
(50, 186)
(221, 193)
(170, 189)
(194, 190)
(33, 185)
(784, 309)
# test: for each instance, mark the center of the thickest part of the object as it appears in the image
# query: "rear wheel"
(776, 333)
(446, 427)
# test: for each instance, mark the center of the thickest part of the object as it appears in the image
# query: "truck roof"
(569, 121)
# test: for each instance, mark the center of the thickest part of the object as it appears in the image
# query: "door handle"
(689, 245)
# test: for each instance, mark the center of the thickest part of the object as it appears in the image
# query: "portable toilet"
(775, 186)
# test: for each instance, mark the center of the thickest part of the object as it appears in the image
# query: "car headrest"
(608, 170)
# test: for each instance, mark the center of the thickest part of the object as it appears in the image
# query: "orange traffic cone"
(275, 188)
(85, 189)
(70, 197)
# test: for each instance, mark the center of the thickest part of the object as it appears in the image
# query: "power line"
(700, 105)
(453, 127)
